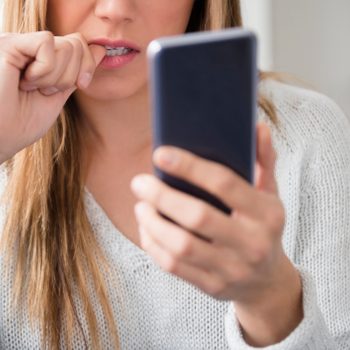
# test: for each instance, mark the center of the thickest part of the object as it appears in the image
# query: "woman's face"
(122, 23)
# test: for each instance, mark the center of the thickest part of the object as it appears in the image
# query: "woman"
(75, 271)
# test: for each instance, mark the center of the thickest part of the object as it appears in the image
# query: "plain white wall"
(1, 3)
(257, 16)
(311, 38)
(308, 38)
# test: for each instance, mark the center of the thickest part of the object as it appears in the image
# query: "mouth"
(116, 47)
(118, 51)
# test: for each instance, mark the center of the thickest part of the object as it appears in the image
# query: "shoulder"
(302, 107)
(306, 118)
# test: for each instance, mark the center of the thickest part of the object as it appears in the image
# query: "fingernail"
(49, 91)
(85, 80)
(140, 209)
(138, 185)
(29, 88)
(166, 157)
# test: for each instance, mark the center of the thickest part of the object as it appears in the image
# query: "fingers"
(221, 181)
(21, 49)
(208, 282)
(98, 53)
(240, 248)
(238, 233)
(89, 57)
(189, 212)
(180, 244)
(213, 177)
(71, 63)
(211, 268)
(53, 82)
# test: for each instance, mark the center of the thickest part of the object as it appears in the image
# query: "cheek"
(163, 19)
(58, 21)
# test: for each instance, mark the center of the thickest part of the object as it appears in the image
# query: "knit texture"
(155, 310)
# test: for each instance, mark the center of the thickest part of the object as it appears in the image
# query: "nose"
(115, 10)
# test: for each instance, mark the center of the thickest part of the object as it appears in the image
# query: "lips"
(115, 44)
(119, 53)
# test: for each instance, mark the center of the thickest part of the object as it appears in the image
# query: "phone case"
(204, 98)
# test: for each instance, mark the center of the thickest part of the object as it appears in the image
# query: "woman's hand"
(38, 74)
(241, 258)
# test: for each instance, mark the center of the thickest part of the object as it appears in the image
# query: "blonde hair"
(56, 250)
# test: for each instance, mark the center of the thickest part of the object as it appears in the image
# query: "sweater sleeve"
(311, 334)
(321, 248)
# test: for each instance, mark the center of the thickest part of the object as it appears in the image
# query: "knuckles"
(216, 288)
(223, 182)
(199, 218)
(10, 58)
(184, 248)
(46, 37)
(170, 264)
(80, 44)
(76, 45)
(68, 47)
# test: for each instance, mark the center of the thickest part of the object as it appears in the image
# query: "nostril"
(116, 11)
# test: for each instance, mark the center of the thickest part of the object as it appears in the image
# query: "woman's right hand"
(38, 73)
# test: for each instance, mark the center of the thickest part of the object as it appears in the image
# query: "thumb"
(266, 159)
(98, 52)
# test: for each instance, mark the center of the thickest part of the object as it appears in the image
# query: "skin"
(242, 258)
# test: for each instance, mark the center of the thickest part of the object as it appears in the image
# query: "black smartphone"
(204, 99)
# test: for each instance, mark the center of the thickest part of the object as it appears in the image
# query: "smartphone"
(204, 99)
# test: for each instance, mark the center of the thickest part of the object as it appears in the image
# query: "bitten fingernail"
(29, 88)
(49, 91)
(85, 80)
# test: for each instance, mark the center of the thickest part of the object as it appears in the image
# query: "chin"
(108, 89)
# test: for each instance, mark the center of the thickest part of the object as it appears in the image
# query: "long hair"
(47, 234)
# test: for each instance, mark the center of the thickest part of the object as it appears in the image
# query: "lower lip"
(113, 62)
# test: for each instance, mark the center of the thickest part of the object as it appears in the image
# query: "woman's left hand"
(241, 258)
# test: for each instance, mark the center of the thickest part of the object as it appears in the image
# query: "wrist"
(276, 311)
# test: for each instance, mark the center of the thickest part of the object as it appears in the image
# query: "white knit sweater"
(155, 310)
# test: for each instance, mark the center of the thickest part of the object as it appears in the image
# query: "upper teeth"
(117, 51)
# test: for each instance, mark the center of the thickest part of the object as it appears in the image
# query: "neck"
(116, 145)
(117, 129)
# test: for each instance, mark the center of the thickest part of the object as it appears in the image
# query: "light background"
(308, 38)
